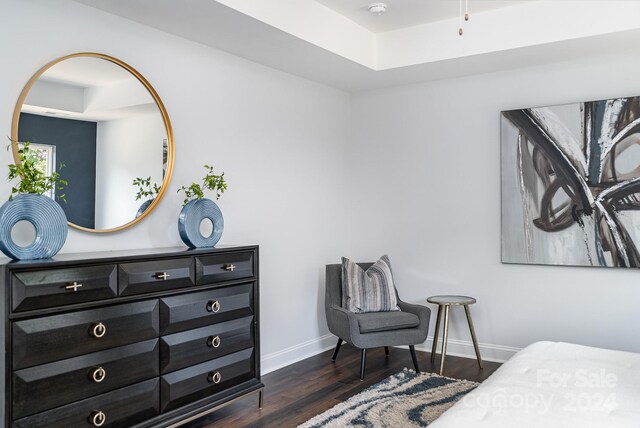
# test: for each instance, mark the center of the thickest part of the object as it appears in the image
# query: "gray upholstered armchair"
(374, 329)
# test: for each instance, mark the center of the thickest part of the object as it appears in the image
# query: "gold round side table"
(446, 302)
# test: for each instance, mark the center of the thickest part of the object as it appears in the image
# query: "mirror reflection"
(100, 127)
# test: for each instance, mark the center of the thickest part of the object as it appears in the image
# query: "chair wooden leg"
(335, 353)
(412, 349)
(363, 360)
(386, 350)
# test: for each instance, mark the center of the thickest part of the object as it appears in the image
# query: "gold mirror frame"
(156, 98)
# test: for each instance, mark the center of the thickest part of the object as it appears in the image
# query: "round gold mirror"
(101, 125)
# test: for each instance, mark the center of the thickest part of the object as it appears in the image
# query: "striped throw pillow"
(368, 291)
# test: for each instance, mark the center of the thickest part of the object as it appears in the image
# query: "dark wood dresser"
(129, 339)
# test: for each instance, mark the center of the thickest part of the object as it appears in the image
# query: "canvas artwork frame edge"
(629, 104)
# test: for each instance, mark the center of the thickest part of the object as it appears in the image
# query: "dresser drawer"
(51, 385)
(57, 287)
(194, 310)
(147, 277)
(202, 380)
(45, 339)
(224, 267)
(195, 346)
(121, 408)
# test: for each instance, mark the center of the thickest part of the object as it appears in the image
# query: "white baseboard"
(458, 348)
(464, 348)
(293, 354)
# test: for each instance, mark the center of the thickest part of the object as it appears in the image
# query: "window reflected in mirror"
(43, 157)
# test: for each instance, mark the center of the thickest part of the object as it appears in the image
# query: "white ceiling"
(88, 88)
(86, 72)
(408, 13)
(308, 39)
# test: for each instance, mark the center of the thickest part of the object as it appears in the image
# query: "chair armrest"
(422, 312)
(342, 323)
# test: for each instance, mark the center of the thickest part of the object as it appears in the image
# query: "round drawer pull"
(98, 419)
(99, 330)
(98, 375)
(214, 377)
(214, 341)
(213, 306)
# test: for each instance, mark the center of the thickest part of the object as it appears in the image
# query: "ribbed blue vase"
(47, 218)
(190, 218)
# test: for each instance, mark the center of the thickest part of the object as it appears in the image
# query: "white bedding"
(553, 385)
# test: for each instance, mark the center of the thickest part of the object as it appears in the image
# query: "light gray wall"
(420, 164)
(140, 136)
(278, 138)
(425, 188)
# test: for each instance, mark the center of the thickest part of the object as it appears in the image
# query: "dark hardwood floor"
(300, 391)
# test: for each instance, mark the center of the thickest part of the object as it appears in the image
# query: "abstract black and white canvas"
(571, 184)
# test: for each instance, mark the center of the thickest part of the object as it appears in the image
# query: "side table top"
(451, 300)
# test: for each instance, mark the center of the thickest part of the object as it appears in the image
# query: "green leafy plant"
(211, 181)
(146, 189)
(31, 170)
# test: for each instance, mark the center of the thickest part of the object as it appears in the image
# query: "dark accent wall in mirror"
(104, 121)
(74, 145)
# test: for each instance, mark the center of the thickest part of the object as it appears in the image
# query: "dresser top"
(120, 255)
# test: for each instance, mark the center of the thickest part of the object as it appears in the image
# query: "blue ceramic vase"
(144, 207)
(48, 219)
(190, 218)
